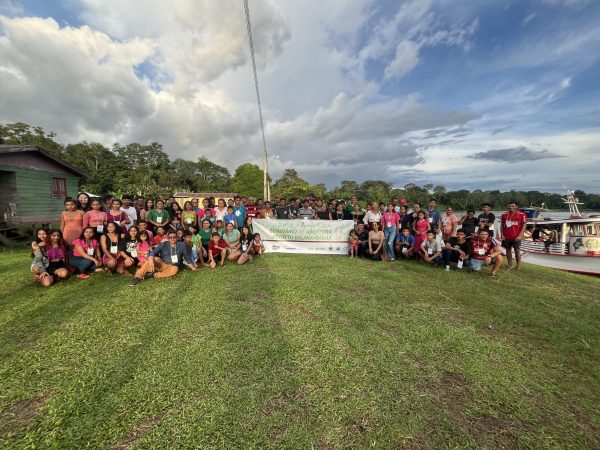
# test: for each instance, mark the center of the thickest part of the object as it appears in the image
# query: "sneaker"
(149, 275)
(447, 269)
(99, 269)
(392, 259)
(134, 281)
(83, 276)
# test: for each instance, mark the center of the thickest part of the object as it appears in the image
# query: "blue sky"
(469, 94)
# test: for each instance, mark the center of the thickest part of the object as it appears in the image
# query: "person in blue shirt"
(230, 217)
(240, 212)
(165, 260)
(405, 243)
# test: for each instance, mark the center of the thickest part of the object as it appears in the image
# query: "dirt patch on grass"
(359, 426)
(137, 433)
(19, 416)
(280, 401)
(451, 393)
(301, 311)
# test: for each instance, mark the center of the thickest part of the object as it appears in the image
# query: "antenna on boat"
(572, 201)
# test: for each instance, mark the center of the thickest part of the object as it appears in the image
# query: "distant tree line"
(147, 170)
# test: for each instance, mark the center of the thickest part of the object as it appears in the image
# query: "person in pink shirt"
(95, 218)
(449, 224)
(86, 253)
(391, 220)
(143, 247)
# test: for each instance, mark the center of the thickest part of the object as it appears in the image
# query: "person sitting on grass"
(363, 238)
(258, 248)
(431, 249)
(143, 226)
(164, 261)
(245, 246)
(458, 250)
(405, 243)
(353, 243)
(143, 247)
(86, 257)
(485, 251)
(217, 248)
(232, 240)
(128, 248)
(376, 240)
(109, 242)
(40, 263)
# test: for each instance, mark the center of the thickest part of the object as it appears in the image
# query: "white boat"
(571, 244)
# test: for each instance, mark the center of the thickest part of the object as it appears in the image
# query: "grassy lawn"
(301, 352)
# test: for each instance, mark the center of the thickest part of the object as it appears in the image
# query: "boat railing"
(557, 248)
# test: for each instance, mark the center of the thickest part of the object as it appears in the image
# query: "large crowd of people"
(146, 238)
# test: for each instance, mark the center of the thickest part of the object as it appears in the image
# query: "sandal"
(494, 274)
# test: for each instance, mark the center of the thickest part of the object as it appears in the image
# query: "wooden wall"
(35, 203)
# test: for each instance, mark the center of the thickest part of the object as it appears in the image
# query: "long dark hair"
(61, 242)
(38, 240)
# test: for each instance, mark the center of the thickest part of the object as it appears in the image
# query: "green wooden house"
(34, 184)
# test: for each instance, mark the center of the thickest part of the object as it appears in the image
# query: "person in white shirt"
(129, 210)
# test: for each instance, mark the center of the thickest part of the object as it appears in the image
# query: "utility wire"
(260, 114)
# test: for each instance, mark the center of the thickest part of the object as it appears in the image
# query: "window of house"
(59, 187)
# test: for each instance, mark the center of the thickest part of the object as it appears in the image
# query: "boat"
(571, 244)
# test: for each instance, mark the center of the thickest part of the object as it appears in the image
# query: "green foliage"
(380, 355)
(146, 170)
(248, 179)
(291, 185)
(22, 133)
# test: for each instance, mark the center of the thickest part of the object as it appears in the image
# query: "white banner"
(304, 236)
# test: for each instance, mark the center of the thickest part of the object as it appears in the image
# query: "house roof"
(11, 148)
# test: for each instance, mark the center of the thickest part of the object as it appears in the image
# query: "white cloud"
(406, 59)
(529, 18)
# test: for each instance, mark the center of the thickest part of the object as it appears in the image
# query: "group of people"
(393, 231)
(156, 239)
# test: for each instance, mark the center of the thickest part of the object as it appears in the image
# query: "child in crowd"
(143, 247)
(160, 237)
(230, 217)
(405, 243)
(432, 249)
(220, 227)
(217, 248)
(258, 247)
(420, 227)
(353, 242)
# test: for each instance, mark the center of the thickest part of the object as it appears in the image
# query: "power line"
(267, 192)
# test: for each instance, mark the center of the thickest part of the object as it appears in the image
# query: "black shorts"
(511, 244)
(55, 265)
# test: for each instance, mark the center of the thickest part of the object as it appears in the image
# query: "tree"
(428, 187)
(291, 185)
(22, 133)
(248, 179)
(97, 161)
(213, 177)
(375, 191)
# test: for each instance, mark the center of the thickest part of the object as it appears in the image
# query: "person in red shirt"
(485, 251)
(216, 247)
(514, 223)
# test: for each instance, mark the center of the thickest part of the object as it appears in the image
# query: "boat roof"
(570, 220)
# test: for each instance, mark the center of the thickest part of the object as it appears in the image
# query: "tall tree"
(22, 133)
(248, 179)
(290, 184)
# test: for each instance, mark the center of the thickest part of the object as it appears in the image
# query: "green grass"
(300, 352)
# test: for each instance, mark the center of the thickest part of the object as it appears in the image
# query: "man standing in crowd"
(282, 210)
(251, 208)
(130, 210)
(240, 212)
(484, 251)
(468, 222)
(487, 219)
(139, 205)
(434, 216)
(306, 212)
(293, 208)
(165, 260)
(350, 207)
(513, 223)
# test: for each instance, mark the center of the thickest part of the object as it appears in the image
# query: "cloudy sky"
(491, 95)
